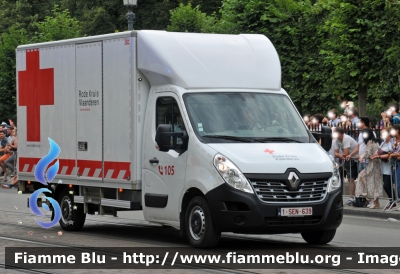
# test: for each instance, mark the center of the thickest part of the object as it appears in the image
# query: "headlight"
(231, 174)
(334, 181)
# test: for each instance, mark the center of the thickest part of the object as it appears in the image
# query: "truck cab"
(225, 147)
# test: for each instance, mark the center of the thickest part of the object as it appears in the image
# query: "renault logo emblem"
(294, 180)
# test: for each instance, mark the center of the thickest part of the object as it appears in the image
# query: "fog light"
(238, 220)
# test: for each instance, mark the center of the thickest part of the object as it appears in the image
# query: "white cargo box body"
(80, 93)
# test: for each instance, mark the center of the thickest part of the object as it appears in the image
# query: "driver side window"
(167, 112)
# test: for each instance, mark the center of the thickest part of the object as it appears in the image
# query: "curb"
(372, 214)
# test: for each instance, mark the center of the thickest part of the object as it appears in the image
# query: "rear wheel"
(199, 226)
(72, 216)
(319, 237)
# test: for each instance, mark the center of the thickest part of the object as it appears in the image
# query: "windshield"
(245, 117)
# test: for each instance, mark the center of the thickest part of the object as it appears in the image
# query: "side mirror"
(166, 139)
(326, 138)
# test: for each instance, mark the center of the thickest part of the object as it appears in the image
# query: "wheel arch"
(188, 195)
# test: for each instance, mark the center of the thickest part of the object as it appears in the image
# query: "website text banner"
(181, 258)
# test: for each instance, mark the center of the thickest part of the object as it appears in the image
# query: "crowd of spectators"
(8, 154)
(367, 151)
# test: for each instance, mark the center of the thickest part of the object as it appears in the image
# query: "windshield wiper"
(278, 139)
(234, 138)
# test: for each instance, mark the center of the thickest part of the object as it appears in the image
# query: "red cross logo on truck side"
(35, 89)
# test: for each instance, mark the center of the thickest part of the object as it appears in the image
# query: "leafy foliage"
(97, 17)
(329, 49)
(295, 29)
(8, 42)
(57, 27)
(107, 16)
(188, 19)
(360, 34)
(23, 13)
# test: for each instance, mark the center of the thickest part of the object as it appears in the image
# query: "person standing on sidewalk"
(353, 118)
(11, 161)
(362, 145)
(7, 152)
(385, 122)
(370, 179)
(352, 122)
(394, 154)
(334, 120)
(363, 124)
(332, 153)
(3, 146)
(394, 109)
(347, 106)
(383, 155)
(347, 144)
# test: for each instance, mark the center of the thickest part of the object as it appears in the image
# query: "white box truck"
(193, 129)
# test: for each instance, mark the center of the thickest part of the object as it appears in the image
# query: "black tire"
(199, 226)
(319, 237)
(77, 216)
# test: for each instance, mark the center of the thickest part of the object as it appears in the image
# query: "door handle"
(154, 161)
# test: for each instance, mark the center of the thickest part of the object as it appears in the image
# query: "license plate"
(295, 211)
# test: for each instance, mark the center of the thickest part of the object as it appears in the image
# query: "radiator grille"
(278, 191)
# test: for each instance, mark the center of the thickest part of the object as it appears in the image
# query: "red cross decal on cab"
(269, 151)
(35, 89)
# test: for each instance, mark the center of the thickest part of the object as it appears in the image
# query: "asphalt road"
(129, 229)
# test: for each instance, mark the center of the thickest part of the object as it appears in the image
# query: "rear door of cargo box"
(89, 103)
(46, 108)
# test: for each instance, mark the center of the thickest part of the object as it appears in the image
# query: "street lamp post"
(130, 16)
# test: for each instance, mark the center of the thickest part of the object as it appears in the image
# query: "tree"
(60, 25)
(23, 13)
(187, 19)
(8, 42)
(207, 6)
(295, 29)
(97, 17)
(107, 16)
(155, 14)
(360, 35)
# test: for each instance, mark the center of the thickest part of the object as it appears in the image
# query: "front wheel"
(72, 216)
(199, 225)
(319, 237)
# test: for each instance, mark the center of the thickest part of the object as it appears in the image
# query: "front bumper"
(236, 211)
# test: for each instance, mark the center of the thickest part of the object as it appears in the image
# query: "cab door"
(164, 172)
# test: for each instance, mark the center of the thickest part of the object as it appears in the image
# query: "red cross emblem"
(35, 89)
(269, 151)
